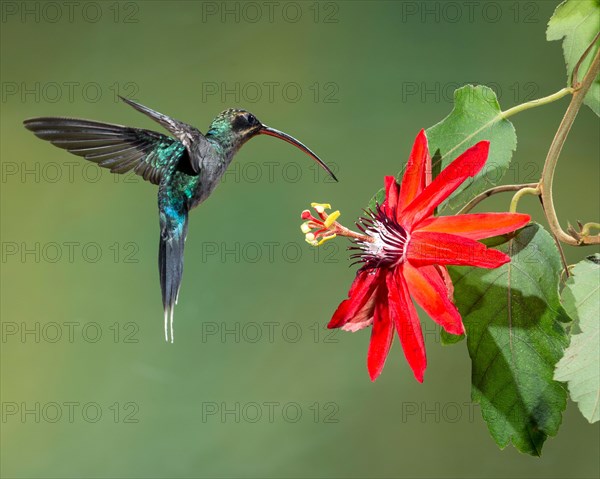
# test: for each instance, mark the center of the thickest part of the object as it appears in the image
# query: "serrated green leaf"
(476, 116)
(580, 366)
(512, 316)
(578, 22)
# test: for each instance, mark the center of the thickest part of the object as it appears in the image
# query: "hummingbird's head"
(232, 128)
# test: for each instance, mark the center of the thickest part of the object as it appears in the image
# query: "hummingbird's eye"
(251, 119)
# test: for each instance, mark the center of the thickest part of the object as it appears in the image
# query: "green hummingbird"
(186, 167)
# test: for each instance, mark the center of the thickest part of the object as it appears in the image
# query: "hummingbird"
(186, 166)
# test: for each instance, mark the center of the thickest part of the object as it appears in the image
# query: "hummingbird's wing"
(173, 215)
(119, 148)
(186, 134)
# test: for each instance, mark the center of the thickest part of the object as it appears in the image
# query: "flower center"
(389, 240)
(382, 243)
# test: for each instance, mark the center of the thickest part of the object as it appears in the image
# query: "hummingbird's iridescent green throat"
(186, 166)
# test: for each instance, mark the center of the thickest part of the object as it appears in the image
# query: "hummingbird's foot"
(326, 226)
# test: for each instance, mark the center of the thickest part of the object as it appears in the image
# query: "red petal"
(466, 165)
(476, 226)
(361, 291)
(427, 247)
(428, 169)
(364, 316)
(428, 289)
(406, 320)
(414, 177)
(381, 337)
(391, 195)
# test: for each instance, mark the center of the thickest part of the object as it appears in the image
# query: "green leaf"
(476, 116)
(436, 164)
(378, 198)
(448, 339)
(577, 21)
(580, 366)
(513, 316)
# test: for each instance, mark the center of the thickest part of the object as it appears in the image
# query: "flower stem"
(510, 112)
(539, 102)
(575, 75)
(554, 153)
(492, 191)
(535, 191)
(543, 189)
(503, 115)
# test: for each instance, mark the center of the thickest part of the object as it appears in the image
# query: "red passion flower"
(404, 251)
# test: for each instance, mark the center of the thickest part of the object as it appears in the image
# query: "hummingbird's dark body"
(186, 168)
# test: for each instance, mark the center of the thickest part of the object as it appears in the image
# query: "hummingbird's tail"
(173, 230)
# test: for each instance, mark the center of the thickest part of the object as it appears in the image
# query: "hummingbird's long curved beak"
(267, 130)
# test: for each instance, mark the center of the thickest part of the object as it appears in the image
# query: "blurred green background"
(253, 386)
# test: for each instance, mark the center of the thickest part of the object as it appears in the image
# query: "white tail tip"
(171, 321)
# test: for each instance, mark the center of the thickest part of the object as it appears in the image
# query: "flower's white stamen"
(375, 248)
(390, 239)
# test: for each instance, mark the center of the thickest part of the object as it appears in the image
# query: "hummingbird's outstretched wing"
(119, 148)
(194, 141)
(173, 214)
